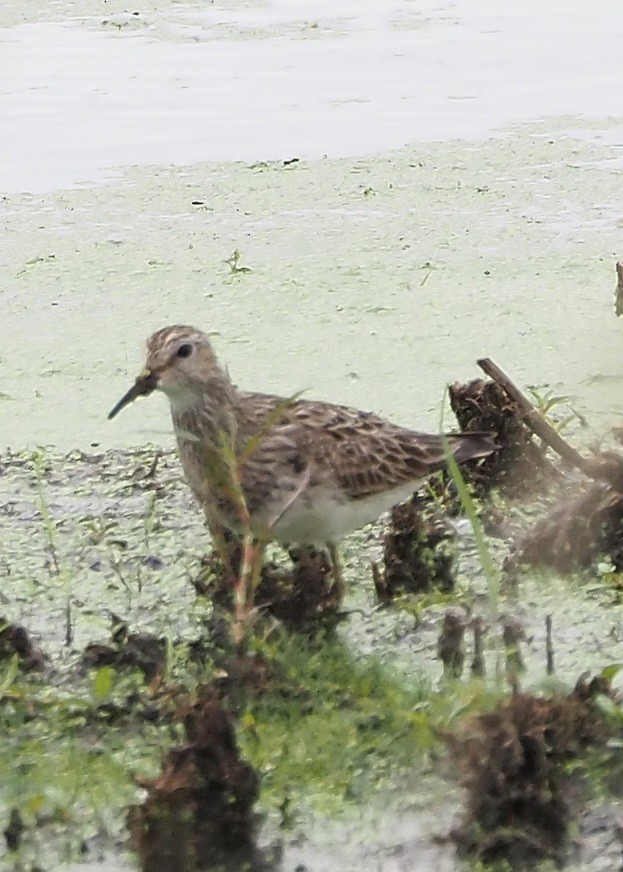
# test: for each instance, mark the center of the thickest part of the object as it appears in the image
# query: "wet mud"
(116, 536)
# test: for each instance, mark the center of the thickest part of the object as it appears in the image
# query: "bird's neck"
(207, 414)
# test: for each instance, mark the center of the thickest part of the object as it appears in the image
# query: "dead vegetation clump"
(199, 812)
(417, 554)
(580, 526)
(15, 642)
(417, 557)
(512, 762)
(519, 467)
(578, 529)
(300, 598)
(142, 651)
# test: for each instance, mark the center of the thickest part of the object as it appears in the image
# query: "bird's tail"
(470, 446)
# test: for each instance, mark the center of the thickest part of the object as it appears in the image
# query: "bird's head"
(180, 362)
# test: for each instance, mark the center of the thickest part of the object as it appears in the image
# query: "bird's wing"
(362, 453)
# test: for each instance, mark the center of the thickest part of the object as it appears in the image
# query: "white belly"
(320, 516)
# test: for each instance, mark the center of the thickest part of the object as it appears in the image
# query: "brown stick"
(549, 645)
(618, 297)
(537, 423)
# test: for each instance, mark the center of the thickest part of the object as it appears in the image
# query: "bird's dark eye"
(185, 350)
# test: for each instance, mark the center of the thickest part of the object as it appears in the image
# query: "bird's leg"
(336, 571)
(225, 546)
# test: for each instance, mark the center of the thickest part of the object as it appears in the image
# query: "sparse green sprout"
(550, 405)
(98, 529)
(428, 269)
(102, 681)
(57, 568)
(233, 261)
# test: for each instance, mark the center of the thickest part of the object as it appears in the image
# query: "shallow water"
(375, 279)
(91, 87)
(129, 545)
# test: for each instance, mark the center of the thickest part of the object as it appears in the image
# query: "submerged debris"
(512, 764)
(450, 648)
(129, 650)
(15, 641)
(418, 556)
(199, 812)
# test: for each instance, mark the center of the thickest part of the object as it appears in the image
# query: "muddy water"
(95, 86)
(457, 195)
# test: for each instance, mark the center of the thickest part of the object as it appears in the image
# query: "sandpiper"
(310, 471)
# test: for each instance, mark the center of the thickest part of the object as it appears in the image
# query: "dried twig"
(608, 467)
(618, 297)
(549, 645)
(535, 421)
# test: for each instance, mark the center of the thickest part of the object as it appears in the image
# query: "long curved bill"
(145, 384)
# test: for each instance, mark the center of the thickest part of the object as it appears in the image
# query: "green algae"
(341, 302)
